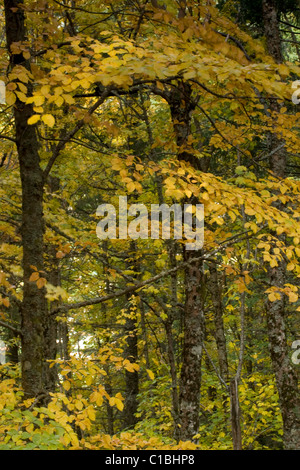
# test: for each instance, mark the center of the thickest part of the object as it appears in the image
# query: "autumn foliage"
(141, 344)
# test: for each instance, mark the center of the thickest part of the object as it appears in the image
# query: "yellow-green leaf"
(48, 119)
(119, 404)
(150, 373)
(66, 384)
(33, 119)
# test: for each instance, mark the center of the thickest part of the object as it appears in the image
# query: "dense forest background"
(135, 342)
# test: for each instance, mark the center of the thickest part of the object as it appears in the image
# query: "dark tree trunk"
(285, 374)
(272, 32)
(174, 386)
(235, 416)
(11, 339)
(181, 107)
(190, 379)
(34, 307)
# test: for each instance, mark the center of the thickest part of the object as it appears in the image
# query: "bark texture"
(190, 379)
(285, 373)
(34, 307)
(181, 107)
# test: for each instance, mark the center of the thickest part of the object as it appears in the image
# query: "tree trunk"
(131, 378)
(190, 379)
(216, 296)
(181, 107)
(271, 27)
(131, 353)
(235, 416)
(174, 386)
(285, 374)
(34, 307)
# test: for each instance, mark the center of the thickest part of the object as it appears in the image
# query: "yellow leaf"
(5, 302)
(273, 296)
(41, 282)
(45, 90)
(290, 267)
(250, 211)
(131, 186)
(79, 405)
(112, 401)
(33, 119)
(59, 101)
(293, 297)
(91, 413)
(34, 276)
(10, 98)
(99, 399)
(106, 440)
(38, 109)
(279, 230)
(65, 439)
(273, 263)
(119, 404)
(150, 373)
(22, 97)
(48, 119)
(11, 86)
(89, 380)
(297, 250)
(30, 428)
(68, 99)
(39, 100)
(66, 384)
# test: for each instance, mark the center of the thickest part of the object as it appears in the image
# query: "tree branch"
(10, 327)
(136, 286)
(71, 134)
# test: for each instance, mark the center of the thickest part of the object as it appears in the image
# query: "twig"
(10, 327)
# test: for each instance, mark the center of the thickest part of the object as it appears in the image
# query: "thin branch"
(297, 43)
(83, 9)
(136, 286)
(289, 24)
(222, 381)
(236, 42)
(10, 327)
(71, 134)
(7, 138)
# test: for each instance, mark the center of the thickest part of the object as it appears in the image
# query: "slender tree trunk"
(108, 382)
(285, 374)
(34, 307)
(51, 326)
(190, 379)
(174, 385)
(11, 339)
(131, 353)
(181, 107)
(235, 415)
(172, 316)
(131, 378)
(109, 409)
(216, 296)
